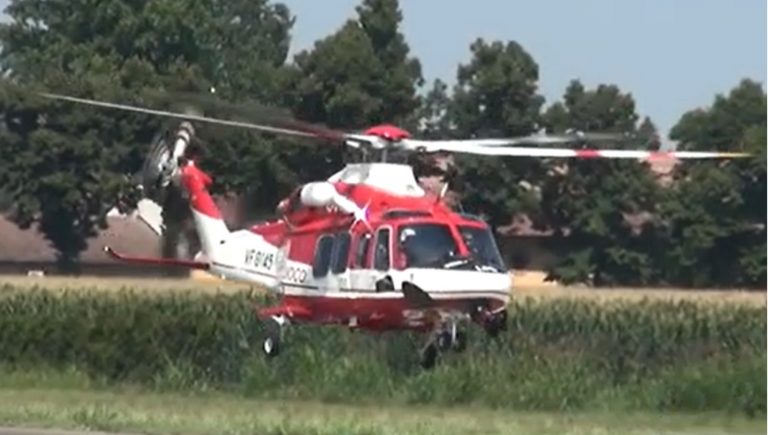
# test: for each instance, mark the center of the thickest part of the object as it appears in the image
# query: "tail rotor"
(161, 165)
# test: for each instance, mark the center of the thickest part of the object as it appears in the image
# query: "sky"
(671, 55)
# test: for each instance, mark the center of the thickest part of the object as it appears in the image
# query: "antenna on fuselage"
(443, 191)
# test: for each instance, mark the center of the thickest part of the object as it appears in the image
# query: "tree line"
(63, 166)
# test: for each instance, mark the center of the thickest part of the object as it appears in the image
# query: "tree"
(649, 134)
(496, 94)
(433, 114)
(69, 163)
(360, 76)
(380, 20)
(601, 209)
(342, 81)
(716, 214)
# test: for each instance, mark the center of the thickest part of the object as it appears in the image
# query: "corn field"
(557, 354)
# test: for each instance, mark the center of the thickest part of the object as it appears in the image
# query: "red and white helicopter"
(367, 248)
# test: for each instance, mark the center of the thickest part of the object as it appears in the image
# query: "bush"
(556, 354)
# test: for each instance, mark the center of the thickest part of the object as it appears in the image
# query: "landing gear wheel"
(443, 341)
(272, 340)
(460, 342)
(496, 323)
(271, 346)
(492, 329)
(429, 356)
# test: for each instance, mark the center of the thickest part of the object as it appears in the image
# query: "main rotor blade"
(178, 115)
(545, 139)
(276, 117)
(474, 147)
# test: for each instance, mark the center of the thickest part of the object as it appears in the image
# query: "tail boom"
(156, 261)
(238, 255)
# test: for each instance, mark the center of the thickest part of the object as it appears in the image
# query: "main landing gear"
(273, 335)
(449, 337)
(444, 339)
(493, 324)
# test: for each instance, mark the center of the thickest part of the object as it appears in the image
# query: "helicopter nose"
(440, 283)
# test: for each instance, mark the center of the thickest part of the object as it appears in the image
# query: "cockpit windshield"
(426, 245)
(483, 247)
(431, 245)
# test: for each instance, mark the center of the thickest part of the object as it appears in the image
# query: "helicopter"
(368, 248)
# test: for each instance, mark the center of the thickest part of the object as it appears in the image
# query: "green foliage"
(433, 112)
(556, 355)
(359, 76)
(70, 164)
(67, 169)
(649, 134)
(342, 81)
(601, 204)
(719, 207)
(127, 336)
(496, 95)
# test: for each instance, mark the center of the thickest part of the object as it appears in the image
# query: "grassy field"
(134, 411)
(214, 285)
(707, 359)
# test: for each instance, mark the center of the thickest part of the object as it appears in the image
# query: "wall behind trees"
(64, 166)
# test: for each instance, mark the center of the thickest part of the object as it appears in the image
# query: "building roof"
(129, 235)
(125, 234)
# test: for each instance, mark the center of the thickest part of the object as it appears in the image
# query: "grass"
(137, 411)
(158, 285)
(75, 401)
(215, 285)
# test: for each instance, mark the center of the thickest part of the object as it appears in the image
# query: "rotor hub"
(389, 132)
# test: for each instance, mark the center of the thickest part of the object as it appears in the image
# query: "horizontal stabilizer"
(156, 261)
(151, 214)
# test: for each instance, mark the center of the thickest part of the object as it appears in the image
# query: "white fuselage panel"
(394, 178)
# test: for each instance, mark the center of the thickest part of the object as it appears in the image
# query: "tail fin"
(209, 221)
(238, 255)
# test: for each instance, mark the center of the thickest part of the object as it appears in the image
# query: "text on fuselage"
(259, 259)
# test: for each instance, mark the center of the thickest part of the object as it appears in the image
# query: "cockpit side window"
(363, 243)
(322, 256)
(482, 246)
(381, 254)
(340, 253)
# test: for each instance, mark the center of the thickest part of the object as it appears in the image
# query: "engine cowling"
(324, 194)
(318, 194)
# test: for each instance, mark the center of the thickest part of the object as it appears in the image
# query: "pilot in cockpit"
(425, 245)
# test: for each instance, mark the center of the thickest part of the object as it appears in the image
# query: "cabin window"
(362, 250)
(340, 253)
(322, 256)
(427, 245)
(381, 255)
